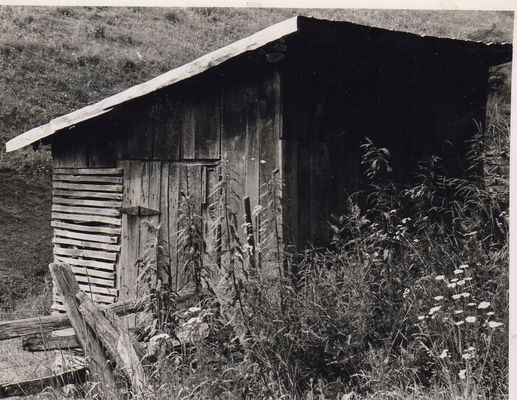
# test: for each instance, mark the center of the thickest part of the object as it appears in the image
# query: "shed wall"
(169, 142)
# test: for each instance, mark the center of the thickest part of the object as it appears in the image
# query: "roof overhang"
(493, 53)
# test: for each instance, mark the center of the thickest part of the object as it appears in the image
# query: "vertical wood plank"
(130, 242)
(66, 284)
(173, 203)
(164, 232)
(167, 137)
(188, 128)
(208, 120)
(290, 192)
(269, 126)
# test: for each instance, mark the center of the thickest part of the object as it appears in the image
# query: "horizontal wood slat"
(98, 289)
(88, 171)
(85, 228)
(109, 212)
(84, 236)
(90, 203)
(100, 255)
(87, 178)
(91, 280)
(91, 272)
(99, 298)
(86, 263)
(86, 194)
(87, 218)
(87, 187)
(85, 244)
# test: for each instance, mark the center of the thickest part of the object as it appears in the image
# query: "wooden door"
(173, 196)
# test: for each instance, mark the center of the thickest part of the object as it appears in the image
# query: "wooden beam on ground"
(51, 341)
(66, 284)
(31, 326)
(34, 340)
(116, 338)
(34, 386)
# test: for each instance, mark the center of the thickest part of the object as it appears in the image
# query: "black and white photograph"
(253, 203)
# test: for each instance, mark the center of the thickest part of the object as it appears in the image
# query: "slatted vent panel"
(87, 226)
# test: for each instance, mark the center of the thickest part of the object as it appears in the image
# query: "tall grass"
(410, 300)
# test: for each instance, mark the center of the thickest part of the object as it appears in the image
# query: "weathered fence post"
(65, 282)
(115, 337)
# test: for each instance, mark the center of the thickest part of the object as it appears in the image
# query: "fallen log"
(34, 386)
(98, 362)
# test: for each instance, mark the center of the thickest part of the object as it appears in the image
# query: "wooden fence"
(97, 329)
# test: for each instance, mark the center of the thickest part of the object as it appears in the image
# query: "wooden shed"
(293, 101)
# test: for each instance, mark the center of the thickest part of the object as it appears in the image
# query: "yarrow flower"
(471, 319)
(458, 311)
(462, 374)
(437, 298)
(463, 266)
(421, 317)
(458, 271)
(490, 313)
(461, 283)
(472, 304)
(465, 294)
(434, 309)
(494, 324)
(440, 278)
(456, 296)
(451, 285)
(467, 278)
(444, 353)
(483, 305)
(459, 323)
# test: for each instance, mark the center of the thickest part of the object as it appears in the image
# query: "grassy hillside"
(54, 60)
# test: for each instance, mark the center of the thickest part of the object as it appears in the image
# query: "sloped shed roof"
(494, 54)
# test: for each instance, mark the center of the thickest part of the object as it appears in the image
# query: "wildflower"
(467, 278)
(454, 280)
(416, 240)
(456, 296)
(194, 309)
(471, 348)
(262, 161)
(438, 298)
(467, 356)
(463, 266)
(458, 311)
(494, 324)
(462, 374)
(465, 294)
(458, 271)
(471, 319)
(434, 309)
(451, 285)
(490, 313)
(444, 353)
(461, 283)
(483, 305)
(421, 317)
(472, 304)
(406, 293)
(458, 323)
(440, 278)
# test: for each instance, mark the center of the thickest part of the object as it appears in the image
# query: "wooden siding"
(87, 225)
